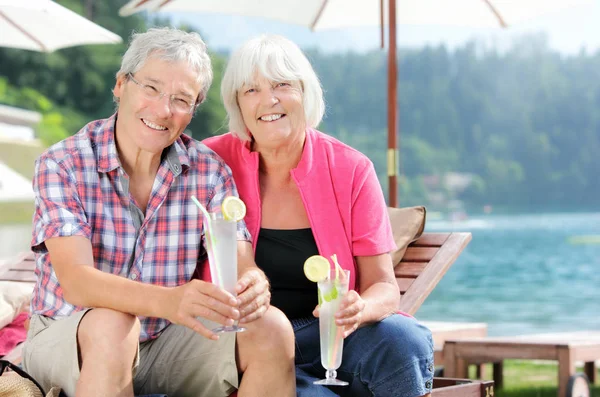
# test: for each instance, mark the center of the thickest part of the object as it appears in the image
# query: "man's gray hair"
(171, 45)
(277, 59)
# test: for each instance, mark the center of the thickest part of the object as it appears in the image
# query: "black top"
(281, 255)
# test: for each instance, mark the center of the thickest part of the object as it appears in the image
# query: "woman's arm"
(377, 286)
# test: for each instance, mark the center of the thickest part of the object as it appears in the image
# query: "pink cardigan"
(339, 188)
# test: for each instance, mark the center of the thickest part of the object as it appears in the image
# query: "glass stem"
(331, 374)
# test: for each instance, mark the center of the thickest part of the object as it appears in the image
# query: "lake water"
(520, 274)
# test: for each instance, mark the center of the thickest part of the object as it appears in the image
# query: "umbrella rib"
(496, 13)
(164, 3)
(318, 16)
(20, 29)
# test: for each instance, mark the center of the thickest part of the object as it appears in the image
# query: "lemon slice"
(316, 268)
(233, 209)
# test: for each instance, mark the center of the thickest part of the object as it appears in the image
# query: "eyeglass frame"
(4, 364)
(161, 94)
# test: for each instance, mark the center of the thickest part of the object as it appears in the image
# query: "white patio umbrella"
(43, 25)
(333, 14)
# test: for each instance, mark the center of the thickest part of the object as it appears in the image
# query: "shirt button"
(133, 276)
(428, 384)
(175, 168)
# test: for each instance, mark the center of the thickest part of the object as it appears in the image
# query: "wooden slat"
(409, 269)
(431, 240)
(404, 284)
(419, 254)
(441, 261)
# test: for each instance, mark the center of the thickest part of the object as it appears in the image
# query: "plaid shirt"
(81, 189)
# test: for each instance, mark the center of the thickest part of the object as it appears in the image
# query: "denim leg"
(393, 357)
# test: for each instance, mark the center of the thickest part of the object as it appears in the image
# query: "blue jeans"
(393, 357)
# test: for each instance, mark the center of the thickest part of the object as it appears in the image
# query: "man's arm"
(86, 286)
(253, 287)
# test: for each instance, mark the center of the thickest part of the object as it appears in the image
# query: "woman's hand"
(254, 295)
(350, 313)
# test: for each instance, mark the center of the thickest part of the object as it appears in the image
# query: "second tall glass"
(221, 246)
(331, 292)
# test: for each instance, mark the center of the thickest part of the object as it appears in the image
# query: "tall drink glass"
(221, 246)
(331, 292)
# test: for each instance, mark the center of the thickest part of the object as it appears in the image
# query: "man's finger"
(226, 316)
(214, 291)
(199, 328)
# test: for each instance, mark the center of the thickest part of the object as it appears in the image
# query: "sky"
(568, 31)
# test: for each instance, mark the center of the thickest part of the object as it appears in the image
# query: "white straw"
(204, 211)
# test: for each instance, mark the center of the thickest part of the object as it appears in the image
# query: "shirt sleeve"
(371, 228)
(226, 187)
(58, 208)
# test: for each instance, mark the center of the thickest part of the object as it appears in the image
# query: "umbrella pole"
(392, 153)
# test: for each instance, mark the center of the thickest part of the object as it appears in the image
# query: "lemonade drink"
(221, 246)
(331, 293)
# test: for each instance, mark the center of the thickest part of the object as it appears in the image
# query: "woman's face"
(272, 111)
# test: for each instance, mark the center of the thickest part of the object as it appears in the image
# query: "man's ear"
(121, 80)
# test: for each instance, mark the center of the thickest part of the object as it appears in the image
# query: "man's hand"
(254, 295)
(201, 299)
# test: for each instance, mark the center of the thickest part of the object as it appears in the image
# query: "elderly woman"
(308, 193)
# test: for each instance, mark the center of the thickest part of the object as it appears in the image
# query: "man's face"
(149, 122)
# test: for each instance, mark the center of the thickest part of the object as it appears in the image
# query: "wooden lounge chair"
(423, 265)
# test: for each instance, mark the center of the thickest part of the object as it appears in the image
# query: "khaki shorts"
(178, 363)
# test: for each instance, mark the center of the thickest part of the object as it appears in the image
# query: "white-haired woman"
(307, 193)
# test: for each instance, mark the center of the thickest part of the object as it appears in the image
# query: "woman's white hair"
(171, 45)
(277, 59)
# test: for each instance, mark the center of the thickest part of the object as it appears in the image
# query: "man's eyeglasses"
(7, 364)
(180, 104)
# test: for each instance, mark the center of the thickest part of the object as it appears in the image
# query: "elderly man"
(117, 240)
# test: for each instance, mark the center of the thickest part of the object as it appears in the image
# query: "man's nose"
(164, 106)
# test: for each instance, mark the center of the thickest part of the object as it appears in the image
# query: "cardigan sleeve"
(371, 229)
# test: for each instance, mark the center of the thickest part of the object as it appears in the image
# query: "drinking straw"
(338, 268)
(211, 255)
(335, 336)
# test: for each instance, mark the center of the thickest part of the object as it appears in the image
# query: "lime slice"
(330, 295)
(233, 208)
(316, 268)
